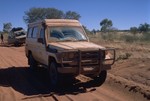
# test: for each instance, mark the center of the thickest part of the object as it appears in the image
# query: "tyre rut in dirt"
(32, 62)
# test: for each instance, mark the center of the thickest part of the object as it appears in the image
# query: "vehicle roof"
(57, 22)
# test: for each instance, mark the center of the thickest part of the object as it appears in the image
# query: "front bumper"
(87, 62)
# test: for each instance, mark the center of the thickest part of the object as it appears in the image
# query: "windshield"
(66, 34)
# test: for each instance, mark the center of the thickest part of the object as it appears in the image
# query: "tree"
(53, 13)
(134, 30)
(144, 27)
(93, 31)
(35, 14)
(106, 24)
(72, 15)
(7, 27)
(113, 28)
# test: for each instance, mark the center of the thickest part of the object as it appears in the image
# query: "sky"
(123, 13)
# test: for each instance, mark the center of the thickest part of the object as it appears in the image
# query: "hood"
(74, 45)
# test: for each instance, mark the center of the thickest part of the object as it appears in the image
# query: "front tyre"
(100, 79)
(53, 73)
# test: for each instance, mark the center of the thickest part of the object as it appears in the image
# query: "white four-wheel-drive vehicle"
(17, 36)
(63, 47)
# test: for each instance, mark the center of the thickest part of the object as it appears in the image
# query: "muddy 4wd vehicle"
(17, 36)
(63, 47)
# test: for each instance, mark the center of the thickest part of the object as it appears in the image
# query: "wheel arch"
(29, 52)
(51, 59)
(27, 55)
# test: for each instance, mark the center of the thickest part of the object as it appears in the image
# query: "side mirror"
(40, 40)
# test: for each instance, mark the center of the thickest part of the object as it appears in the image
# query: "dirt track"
(18, 82)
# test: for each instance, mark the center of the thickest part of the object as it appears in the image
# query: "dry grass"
(132, 49)
(123, 36)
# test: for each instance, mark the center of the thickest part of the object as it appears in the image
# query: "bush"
(124, 56)
(109, 36)
(121, 36)
(146, 37)
(130, 38)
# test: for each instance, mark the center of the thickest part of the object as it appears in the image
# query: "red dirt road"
(19, 83)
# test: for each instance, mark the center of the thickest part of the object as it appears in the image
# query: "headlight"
(107, 55)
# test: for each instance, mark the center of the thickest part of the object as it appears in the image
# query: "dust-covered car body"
(63, 46)
(17, 36)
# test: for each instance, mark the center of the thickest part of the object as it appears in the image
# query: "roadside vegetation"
(128, 45)
(122, 36)
(107, 35)
(132, 43)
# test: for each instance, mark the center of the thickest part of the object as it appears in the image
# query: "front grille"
(84, 58)
(89, 58)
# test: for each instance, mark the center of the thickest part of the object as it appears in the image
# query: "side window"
(35, 31)
(42, 32)
(29, 32)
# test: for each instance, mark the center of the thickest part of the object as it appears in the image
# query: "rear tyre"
(32, 62)
(100, 79)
